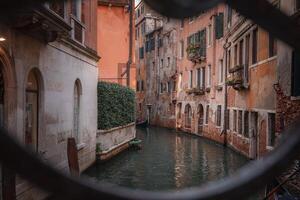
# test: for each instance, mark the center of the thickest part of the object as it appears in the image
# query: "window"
(229, 59)
(76, 114)
(202, 77)
(181, 49)
(169, 87)
(188, 116)
(221, 71)
(241, 53)
(209, 76)
(227, 119)
(209, 34)
(191, 79)
(219, 25)
(161, 87)
(168, 62)
(271, 130)
(198, 78)
(142, 9)
(246, 124)
(234, 120)
(139, 12)
(254, 46)
(219, 115)
(140, 106)
(76, 9)
(272, 46)
(207, 114)
(58, 7)
(229, 16)
(142, 85)
(295, 74)
(161, 63)
(181, 23)
(180, 81)
(143, 28)
(240, 122)
(247, 58)
(152, 44)
(235, 55)
(141, 52)
(137, 86)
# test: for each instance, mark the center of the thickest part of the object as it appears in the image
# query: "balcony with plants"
(196, 53)
(236, 78)
(196, 91)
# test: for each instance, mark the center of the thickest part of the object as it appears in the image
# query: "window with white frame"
(202, 77)
(209, 35)
(209, 76)
(221, 71)
(191, 79)
(198, 75)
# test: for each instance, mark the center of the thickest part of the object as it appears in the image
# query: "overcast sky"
(137, 1)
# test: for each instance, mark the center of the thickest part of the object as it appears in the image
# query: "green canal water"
(168, 160)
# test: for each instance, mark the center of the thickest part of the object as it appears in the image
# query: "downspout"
(130, 46)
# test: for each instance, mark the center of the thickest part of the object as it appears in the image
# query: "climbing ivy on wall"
(116, 105)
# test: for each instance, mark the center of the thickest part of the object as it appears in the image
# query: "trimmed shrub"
(116, 105)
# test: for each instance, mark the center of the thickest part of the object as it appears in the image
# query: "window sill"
(81, 146)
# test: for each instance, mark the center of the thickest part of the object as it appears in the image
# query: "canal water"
(168, 160)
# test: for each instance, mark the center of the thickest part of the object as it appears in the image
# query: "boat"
(142, 124)
(136, 144)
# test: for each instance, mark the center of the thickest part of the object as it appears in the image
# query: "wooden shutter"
(219, 25)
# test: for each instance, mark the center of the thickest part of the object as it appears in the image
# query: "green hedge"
(116, 105)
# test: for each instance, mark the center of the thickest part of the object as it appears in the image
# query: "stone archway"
(200, 119)
(188, 116)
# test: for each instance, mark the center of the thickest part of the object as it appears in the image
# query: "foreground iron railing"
(244, 182)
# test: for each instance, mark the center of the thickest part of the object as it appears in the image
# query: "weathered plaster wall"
(59, 66)
(108, 140)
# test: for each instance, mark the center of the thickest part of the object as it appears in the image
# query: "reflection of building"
(48, 67)
(115, 41)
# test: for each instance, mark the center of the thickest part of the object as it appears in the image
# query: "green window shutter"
(219, 25)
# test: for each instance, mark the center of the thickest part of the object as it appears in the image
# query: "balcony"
(42, 23)
(196, 53)
(236, 78)
(196, 91)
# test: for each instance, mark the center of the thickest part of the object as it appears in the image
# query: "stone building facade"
(48, 82)
(115, 33)
(156, 47)
(234, 82)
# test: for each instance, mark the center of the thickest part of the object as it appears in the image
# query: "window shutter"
(219, 25)
(296, 74)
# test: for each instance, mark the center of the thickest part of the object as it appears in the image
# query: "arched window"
(32, 110)
(76, 112)
(188, 116)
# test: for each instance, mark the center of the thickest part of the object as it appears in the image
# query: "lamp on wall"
(2, 39)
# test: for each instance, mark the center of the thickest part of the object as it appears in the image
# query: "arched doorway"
(200, 119)
(188, 116)
(76, 111)
(32, 110)
(178, 116)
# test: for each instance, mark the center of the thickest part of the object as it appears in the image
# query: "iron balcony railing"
(244, 182)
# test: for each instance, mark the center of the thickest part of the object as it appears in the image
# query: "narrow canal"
(168, 160)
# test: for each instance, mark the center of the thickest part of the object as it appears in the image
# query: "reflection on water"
(168, 160)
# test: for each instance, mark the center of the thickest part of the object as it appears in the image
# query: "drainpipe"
(226, 46)
(130, 46)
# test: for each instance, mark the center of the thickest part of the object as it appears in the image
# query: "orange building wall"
(113, 41)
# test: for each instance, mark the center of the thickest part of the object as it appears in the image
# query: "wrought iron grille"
(244, 182)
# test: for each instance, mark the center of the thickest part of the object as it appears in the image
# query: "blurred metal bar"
(244, 182)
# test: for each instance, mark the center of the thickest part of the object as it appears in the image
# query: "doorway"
(200, 119)
(254, 135)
